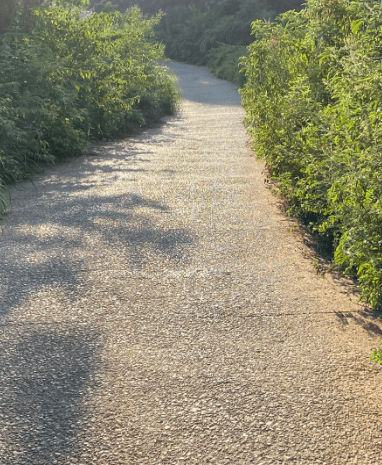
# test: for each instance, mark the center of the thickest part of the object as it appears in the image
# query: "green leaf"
(355, 25)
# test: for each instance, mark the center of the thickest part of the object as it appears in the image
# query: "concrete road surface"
(156, 307)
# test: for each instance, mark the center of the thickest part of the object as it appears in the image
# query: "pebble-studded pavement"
(155, 308)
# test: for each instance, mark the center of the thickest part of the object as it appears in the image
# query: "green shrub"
(313, 107)
(69, 80)
(224, 63)
(376, 355)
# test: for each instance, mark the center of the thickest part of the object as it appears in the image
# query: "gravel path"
(156, 309)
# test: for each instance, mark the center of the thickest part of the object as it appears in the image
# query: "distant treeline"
(209, 32)
(10, 9)
(191, 29)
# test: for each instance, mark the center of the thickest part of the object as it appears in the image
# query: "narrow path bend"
(155, 309)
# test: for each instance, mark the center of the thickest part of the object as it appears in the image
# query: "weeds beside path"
(156, 309)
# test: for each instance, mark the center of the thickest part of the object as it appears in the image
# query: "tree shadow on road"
(55, 224)
(45, 371)
(66, 224)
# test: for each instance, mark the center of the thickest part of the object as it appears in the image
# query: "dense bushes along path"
(74, 78)
(156, 309)
(312, 101)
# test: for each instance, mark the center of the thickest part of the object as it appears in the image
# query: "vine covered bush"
(313, 102)
(71, 79)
